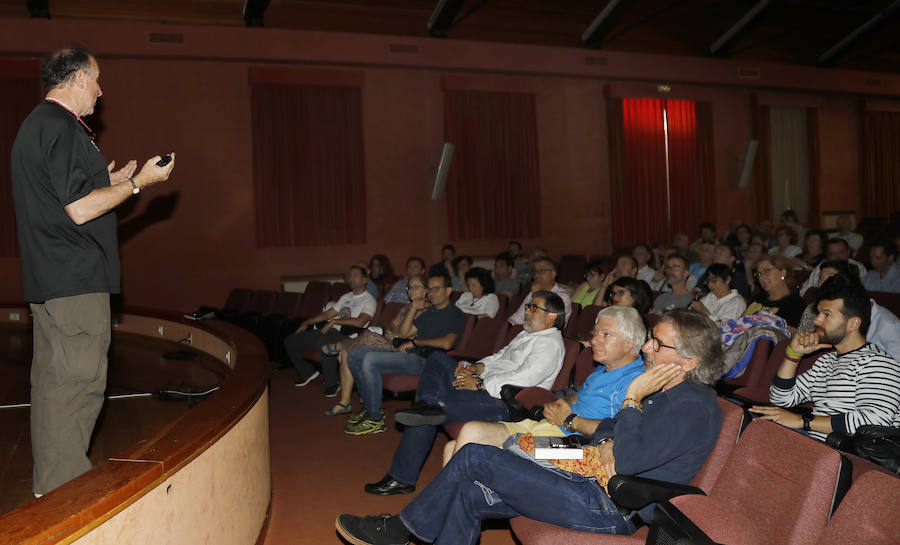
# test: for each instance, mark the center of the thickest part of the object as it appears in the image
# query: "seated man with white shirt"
(355, 308)
(885, 273)
(544, 272)
(836, 249)
(456, 392)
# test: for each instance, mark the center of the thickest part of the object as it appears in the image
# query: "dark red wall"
(193, 98)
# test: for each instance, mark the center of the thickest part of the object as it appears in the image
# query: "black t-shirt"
(789, 307)
(55, 163)
(435, 323)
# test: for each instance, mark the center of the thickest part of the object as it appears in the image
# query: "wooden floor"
(137, 364)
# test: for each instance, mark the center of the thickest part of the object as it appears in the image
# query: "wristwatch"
(134, 187)
(479, 383)
(807, 419)
(567, 423)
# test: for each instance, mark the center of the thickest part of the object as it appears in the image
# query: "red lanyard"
(91, 133)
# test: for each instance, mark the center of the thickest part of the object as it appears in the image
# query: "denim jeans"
(368, 364)
(436, 386)
(482, 482)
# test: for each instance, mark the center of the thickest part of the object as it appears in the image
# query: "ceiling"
(787, 31)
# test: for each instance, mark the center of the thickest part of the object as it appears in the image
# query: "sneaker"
(37, 496)
(374, 530)
(366, 427)
(304, 381)
(331, 391)
(358, 416)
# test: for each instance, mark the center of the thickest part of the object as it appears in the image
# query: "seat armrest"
(635, 493)
(534, 396)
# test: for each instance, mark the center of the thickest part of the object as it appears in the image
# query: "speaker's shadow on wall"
(160, 208)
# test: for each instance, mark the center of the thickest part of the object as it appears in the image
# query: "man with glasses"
(544, 272)
(664, 429)
(458, 392)
(397, 294)
(836, 249)
(616, 341)
(677, 274)
(436, 329)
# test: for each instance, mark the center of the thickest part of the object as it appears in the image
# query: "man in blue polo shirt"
(616, 340)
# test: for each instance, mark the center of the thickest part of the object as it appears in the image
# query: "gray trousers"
(68, 380)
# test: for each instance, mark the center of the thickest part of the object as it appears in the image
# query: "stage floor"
(137, 365)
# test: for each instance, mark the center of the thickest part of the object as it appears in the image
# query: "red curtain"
(654, 195)
(881, 167)
(308, 165)
(493, 186)
(692, 194)
(762, 133)
(20, 92)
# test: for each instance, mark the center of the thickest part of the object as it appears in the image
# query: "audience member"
(666, 428)
(520, 262)
(676, 277)
(753, 254)
(462, 265)
(643, 255)
(445, 265)
(451, 391)
(503, 271)
(616, 341)
(545, 270)
(845, 231)
(786, 238)
(764, 234)
(884, 326)
(438, 328)
(740, 239)
(885, 273)
(590, 291)
(723, 302)
(355, 308)
(836, 249)
(479, 299)
(380, 269)
(682, 244)
(775, 277)
(707, 234)
(813, 248)
(371, 286)
(858, 383)
(725, 255)
(525, 270)
(630, 292)
(790, 219)
(706, 252)
(373, 337)
(398, 293)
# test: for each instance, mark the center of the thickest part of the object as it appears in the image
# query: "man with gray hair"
(65, 197)
(665, 429)
(616, 340)
(451, 391)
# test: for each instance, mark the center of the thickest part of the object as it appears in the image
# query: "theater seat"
(777, 488)
(757, 390)
(868, 513)
(734, 419)
(487, 337)
(581, 327)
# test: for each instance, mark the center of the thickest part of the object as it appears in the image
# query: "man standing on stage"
(64, 195)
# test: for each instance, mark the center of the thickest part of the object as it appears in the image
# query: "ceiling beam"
(839, 49)
(718, 47)
(594, 35)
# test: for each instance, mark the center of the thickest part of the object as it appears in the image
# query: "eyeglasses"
(435, 289)
(532, 308)
(658, 344)
(673, 268)
(412, 287)
(764, 272)
(619, 293)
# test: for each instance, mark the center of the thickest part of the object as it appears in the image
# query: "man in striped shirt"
(856, 384)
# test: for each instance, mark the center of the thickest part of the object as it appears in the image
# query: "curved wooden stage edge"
(204, 478)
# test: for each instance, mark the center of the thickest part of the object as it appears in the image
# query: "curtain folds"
(493, 186)
(308, 165)
(881, 164)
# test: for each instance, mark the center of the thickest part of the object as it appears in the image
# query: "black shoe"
(375, 530)
(303, 381)
(388, 486)
(331, 391)
(421, 414)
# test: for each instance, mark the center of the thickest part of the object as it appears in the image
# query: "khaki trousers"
(68, 380)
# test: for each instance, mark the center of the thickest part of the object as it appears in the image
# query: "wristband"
(792, 353)
(632, 402)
